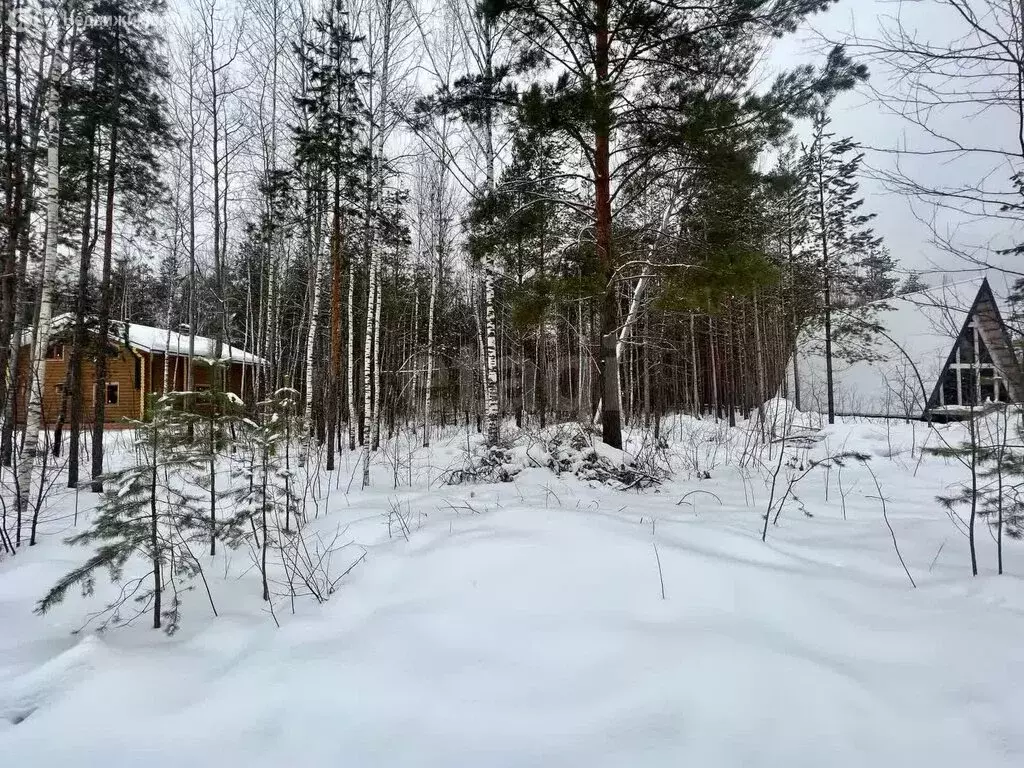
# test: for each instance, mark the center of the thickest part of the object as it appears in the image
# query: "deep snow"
(522, 624)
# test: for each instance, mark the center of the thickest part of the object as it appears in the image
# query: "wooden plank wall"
(135, 375)
(121, 369)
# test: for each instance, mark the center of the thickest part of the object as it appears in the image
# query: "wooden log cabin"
(138, 358)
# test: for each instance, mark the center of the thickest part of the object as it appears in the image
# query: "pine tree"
(789, 209)
(148, 511)
(727, 243)
(877, 276)
(518, 229)
(118, 130)
(913, 283)
(483, 98)
(327, 148)
(265, 500)
(649, 70)
(992, 456)
(840, 233)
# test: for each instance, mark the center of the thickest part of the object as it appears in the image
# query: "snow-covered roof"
(916, 334)
(159, 340)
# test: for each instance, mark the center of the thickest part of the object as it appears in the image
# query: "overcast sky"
(863, 117)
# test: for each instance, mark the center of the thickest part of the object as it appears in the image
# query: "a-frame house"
(940, 353)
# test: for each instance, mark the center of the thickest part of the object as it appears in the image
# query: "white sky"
(861, 116)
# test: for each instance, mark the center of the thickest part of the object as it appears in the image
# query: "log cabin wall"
(125, 384)
(177, 367)
(130, 376)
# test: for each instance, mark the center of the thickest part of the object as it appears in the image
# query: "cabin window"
(972, 378)
(950, 391)
(55, 352)
(965, 350)
(202, 387)
(983, 354)
(113, 392)
(59, 389)
(989, 386)
(968, 388)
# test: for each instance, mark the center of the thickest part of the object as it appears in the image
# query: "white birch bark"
(490, 346)
(37, 360)
(371, 302)
(481, 350)
(427, 388)
(644, 282)
(493, 432)
(314, 319)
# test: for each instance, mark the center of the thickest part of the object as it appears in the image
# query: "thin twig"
(885, 516)
(661, 576)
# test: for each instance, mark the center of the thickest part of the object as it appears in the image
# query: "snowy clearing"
(523, 624)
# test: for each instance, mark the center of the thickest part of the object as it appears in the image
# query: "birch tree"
(41, 334)
(387, 30)
(327, 151)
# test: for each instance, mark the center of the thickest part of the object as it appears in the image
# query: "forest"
(426, 215)
(384, 273)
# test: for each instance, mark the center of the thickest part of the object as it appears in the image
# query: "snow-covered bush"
(494, 464)
(565, 448)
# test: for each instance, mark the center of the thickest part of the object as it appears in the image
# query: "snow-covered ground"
(523, 624)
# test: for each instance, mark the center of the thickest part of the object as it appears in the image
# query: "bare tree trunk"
(492, 415)
(428, 378)
(490, 383)
(37, 362)
(646, 373)
(713, 363)
(73, 384)
(368, 340)
(636, 303)
(697, 406)
(377, 357)
(335, 364)
(314, 314)
(611, 412)
(351, 369)
(103, 325)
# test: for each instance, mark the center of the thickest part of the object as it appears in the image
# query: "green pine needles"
(162, 512)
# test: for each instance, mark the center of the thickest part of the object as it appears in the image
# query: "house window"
(950, 388)
(59, 389)
(113, 392)
(989, 386)
(972, 377)
(55, 352)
